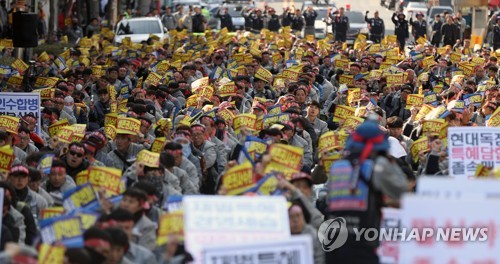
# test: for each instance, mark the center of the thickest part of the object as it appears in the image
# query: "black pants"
(402, 42)
(349, 254)
(375, 38)
(340, 36)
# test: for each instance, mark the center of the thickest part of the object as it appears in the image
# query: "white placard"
(295, 250)
(470, 146)
(388, 251)
(431, 212)
(446, 187)
(21, 104)
(216, 220)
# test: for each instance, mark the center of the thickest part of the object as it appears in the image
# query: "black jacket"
(274, 23)
(310, 18)
(377, 26)
(401, 27)
(198, 20)
(450, 34)
(419, 28)
(226, 21)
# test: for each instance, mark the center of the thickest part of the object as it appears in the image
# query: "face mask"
(186, 150)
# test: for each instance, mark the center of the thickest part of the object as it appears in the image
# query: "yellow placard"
(19, 65)
(353, 95)
(65, 134)
(395, 79)
(352, 122)
(244, 120)
(50, 212)
(128, 125)
(414, 100)
(342, 112)
(287, 155)
(239, 178)
(107, 178)
(49, 254)
(342, 64)
(291, 75)
(9, 124)
(171, 225)
(346, 79)
(226, 114)
(418, 146)
(494, 120)
(149, 158)
(158, 144)
(153, 78)
(6, 158)
(228, 89)
(327, 142)
(433, 127)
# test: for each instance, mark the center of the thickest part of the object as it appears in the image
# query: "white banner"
(295, 250)
(388, 251)
(464, 230)
(447, 187)
(21, 104)
(470, 146)
(216, 220)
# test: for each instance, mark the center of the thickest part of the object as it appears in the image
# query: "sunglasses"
(73, 153)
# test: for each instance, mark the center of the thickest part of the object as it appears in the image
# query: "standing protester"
(450, 32)
(340, 25)
(198, 20)
(226, 21)
(419, 27)
(169, 20)
(309, 16)
(401, 28)
(496, 34)
(376, 26)
(297, 21)
(436, 36)
(272, 20)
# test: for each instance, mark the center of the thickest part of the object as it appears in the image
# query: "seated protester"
(147, 139)
(126, 151)
(210, 130)
(124, 220)
(301, 188)
(294, 140)
(209, 154)
(97, 242)
(436, 161)
(19, 178)
(299, 226)
(159, 176)
(168, 161)
(74, 159)
(154, 212)
(144, 231)
(30, 121)
(183, 136)
(57, 182)
(101, 107)
(320, 126)
(175, 149)
(35, 185)
(395, 128)
(99, 140)
(17, 217)
(23, 141)
(90, 151)
(118, 247)
(7, 139)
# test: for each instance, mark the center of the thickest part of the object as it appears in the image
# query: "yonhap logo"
(332, 233)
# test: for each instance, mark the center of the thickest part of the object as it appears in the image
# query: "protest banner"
(430, 98)
(21, 104)
(108, 178)
(291, 75)
(268, 185)
(470, 146)
(433, 127)
(148, 158)
(244, 219)
(78, 197)
(342, 64)
(158, 144)
(228, 89)
(65, 134)
(422, 144)
(414, 100)
(54, 128)
(476, 99)
(346, 79)
(388, 251)
(448, 187)
(19, 65)
(64, 229)
(466, 232)
(342, 112)
(255, 147)
(111, 119)
(239, 178)
(352, 122)
(353, 95)
(50, 212)
(285, 159)
(46, 93)
(7, 157)
(110, 132)
(297, 249)
(244, 120)
(153, 78)
(171, 225)
(269, 120)
(127, 125)
(376, 74)
(395, 79)
(51, 254)
(327, 142)
(455, 57)
(88, 215)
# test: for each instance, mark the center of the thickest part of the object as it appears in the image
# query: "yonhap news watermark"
(333, 233)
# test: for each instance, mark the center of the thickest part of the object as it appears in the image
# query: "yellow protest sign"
(327, 142)
(50, 212)
(353, 95)
(79, 128)
(414, 100)
(433, 127)
(418, 146)
(158, 144)
(477, 60)
(346, 79)
(128, 125)
(65, 134)
(360, 111)
(171, 226)
(110, 132)
(199, 83)
(149, 158)
(105, 177)
(19, 65)
(494, 120)
(244, 120)
(6, 158)
(352, 122)
(228, 89)
(285, 159)
(153, 78)
(342, 64)
(428, 61)
(226, 114)
(239, 178)
(49, 254)
(328, 160)
(342, 112)
(111, 119)
(46, 93)
(395, 79)
(268, 186)
(291, 74)
(375, 74)
(54, 128)
(9, 124)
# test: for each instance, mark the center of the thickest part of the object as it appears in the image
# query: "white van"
(138, 29)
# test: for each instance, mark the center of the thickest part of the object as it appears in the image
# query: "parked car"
(357, 25)
(139, 29)
(413, 8)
